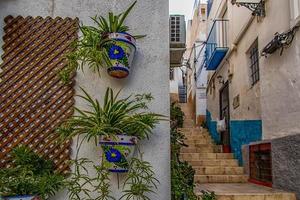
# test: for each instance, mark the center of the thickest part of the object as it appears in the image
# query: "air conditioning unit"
(177, 31)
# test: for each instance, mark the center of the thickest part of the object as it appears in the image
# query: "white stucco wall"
(275, 99)
(280, 85)
(150, 72)
(177, 81)
(196, 77)
(201, 101)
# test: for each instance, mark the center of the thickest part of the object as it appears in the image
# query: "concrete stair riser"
(188, 125)
(198, 137)
(221, 179)
(216, 149)
(199, 156)
(226, 162)
(199, 141)
(193, 129)
(198, 150)
(219, 170)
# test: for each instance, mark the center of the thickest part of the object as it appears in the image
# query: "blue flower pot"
(25, 197)
(121, 50)
(117, 152)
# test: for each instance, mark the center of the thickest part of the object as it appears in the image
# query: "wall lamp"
(221, 79)
(256, 6)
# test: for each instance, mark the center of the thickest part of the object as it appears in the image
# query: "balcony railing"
(209, 6)
(216, 44)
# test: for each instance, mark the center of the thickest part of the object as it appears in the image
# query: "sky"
(182, 7)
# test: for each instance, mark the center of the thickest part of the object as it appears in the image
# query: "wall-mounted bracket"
(256, 6)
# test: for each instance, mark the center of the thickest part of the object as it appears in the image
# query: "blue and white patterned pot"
(121, 50)
(117, 152)
(25, 197)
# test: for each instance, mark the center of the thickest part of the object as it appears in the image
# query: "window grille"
(254, 63)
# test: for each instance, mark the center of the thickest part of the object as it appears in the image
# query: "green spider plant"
(90, 49)
(29, 175)
(140, 181)
(115, 116)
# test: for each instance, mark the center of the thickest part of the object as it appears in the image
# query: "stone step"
(243, 191)
(194, 134)
(221, 179)
(188, 120)
(224, 170)
(199, 156)
(193, 129)
(188, 124)
(216, 148)
(199, 141)
(198, 137)
(215, 163)
(210, 149)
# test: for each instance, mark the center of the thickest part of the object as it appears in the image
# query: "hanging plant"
(107, 45)
(30, 178)
(117, 125)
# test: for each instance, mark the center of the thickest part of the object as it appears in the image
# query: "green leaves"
(207, 195)
(79, 182)
(89, 49)
(115, 116)
(182, 174)
(121, 18)
(30, 175)
(176, 115)
(140, 181)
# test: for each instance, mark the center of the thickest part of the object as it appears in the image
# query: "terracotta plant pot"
(117, 152)
(121, 53)
(26, 197)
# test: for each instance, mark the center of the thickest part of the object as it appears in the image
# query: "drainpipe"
(233, 47)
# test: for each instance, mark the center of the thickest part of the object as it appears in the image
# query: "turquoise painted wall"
(212, 127)
(244, 132)
(241, 132)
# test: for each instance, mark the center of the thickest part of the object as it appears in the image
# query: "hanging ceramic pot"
(25, 197)
(118, 151)
(121, 49)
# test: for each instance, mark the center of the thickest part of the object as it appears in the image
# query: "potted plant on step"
(30, 178)
(117, 125)
(106, 45)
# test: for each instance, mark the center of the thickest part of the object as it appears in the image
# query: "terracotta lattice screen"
(33, 100)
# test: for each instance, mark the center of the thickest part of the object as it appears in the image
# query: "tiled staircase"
(217, 171)
(210, 164)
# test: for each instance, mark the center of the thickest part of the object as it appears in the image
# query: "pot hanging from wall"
(25, 197)
(120, 49)
(117, 152)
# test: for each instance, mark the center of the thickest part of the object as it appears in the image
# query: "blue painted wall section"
(212, 127)
(241, 132)
(244, 132)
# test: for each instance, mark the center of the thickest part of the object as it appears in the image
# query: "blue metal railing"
(217, 38)
(209, 5)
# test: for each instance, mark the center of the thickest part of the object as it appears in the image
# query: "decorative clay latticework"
(33, 100)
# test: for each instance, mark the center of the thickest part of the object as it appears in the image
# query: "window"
(171, 74)
(203, 11)
(254, 63)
